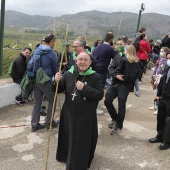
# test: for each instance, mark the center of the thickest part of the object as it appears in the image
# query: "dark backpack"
(33, 65)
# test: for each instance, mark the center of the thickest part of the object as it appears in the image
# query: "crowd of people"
(86, 72)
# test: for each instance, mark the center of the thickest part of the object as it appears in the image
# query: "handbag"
(157, 79)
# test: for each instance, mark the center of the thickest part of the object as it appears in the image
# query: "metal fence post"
(139, 16)
(2, 33)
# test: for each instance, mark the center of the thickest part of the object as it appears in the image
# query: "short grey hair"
(81, 42)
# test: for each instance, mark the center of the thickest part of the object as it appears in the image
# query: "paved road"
(22, 149)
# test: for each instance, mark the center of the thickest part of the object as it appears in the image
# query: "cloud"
(61, 7)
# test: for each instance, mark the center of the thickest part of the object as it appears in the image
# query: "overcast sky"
(61, 7)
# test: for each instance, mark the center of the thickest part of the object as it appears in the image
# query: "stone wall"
(8, 92)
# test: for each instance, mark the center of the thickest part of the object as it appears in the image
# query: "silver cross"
(74, 95)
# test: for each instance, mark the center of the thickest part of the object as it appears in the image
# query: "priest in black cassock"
(78, 131)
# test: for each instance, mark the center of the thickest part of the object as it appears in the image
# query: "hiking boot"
(111, 125)
(55, 124)
(20, 102)
(37, 127)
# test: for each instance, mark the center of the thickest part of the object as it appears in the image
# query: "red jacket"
(143, 50)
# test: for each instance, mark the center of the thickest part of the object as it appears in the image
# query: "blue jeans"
(155, 57)
(122, 92)
(136, 85)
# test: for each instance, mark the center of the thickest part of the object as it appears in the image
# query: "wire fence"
(16, 39)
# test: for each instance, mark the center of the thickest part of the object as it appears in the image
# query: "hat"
(49, 38)
(159, 41)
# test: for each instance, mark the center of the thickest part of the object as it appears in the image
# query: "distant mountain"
(93, 23)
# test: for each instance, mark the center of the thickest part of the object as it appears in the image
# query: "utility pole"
(2, 33)
(139, 16)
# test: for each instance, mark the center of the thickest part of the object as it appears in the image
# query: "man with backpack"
(48, 63)
(142, 30)
(19, 67)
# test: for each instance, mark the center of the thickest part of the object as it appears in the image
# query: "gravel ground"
(130, 150)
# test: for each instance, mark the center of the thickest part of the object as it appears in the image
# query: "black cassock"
(78, 131)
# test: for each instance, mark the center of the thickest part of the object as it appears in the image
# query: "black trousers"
(122, 92)
(163, 112)
(144, 62)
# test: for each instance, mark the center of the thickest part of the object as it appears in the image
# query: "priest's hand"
(79, 85)
(58, 76)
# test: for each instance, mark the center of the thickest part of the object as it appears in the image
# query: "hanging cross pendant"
(74, 95)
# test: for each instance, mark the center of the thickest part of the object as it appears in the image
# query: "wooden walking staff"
(55, 33)
(55, 48)
(59, 103)
(55, 97)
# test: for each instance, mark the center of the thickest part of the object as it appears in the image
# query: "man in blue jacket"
(50, 66)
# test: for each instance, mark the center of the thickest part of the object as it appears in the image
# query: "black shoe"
(43, 113)
(54, 124)
(155, 140)
(37, 127)
(164, 146)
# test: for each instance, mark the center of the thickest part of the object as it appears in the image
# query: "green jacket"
(27, 82)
